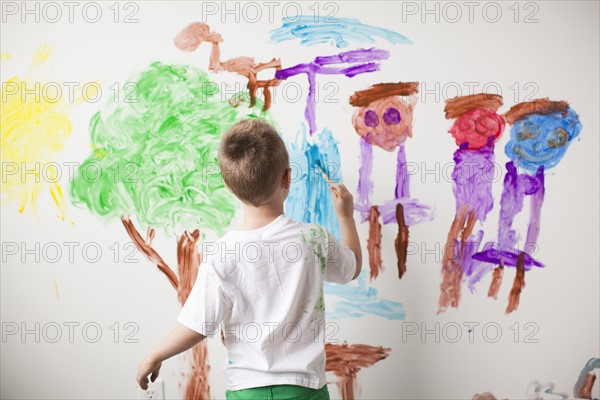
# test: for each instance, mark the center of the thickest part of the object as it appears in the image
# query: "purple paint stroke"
(401, 175)
(318, 66)
(473, 175)
(537, 199)
(371, 119)
(479, 269)
(391, 116)
(359, 69)
(309, 112)
(471, 246)
(353, 56)
(365, 185)
(507, 258)
(516, 187)
(414, 212)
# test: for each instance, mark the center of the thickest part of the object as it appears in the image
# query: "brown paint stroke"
(345, 361)
(586, 389)
(378, 91)
(188, 261)
(538, 106)
(451, 267)
(143, 246)
(457, 106)
(496, 282)
(188, 258)
(401, 242)
(374, 243)
(198, 387)
(518, 285)
(190, 38)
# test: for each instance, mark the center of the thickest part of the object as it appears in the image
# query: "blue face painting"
(542, 139)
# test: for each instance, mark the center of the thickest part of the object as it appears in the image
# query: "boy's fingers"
(154, 374)
(143, 382)
(341, 190)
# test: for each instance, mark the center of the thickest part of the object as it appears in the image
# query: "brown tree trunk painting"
(188, 262)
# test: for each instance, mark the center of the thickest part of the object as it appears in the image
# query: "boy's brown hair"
(252, 159)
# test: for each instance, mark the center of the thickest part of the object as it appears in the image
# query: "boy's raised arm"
(179, 340)
(344, 208)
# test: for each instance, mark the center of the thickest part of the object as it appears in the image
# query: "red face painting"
(476, 126)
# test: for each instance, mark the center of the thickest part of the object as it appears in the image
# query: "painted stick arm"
(507, 258)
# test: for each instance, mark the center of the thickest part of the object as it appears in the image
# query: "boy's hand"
(342, 200)
(147, 367)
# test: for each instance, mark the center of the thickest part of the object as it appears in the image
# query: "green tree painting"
(155, 157)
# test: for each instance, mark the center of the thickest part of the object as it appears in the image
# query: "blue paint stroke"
(542, 139)
(338, 31)
(357, 300)
(309, 199)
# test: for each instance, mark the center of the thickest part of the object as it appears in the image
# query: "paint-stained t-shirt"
(264, 288)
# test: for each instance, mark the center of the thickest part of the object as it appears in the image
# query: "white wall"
(558, 56)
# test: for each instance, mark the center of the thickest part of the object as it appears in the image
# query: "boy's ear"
(287, 178)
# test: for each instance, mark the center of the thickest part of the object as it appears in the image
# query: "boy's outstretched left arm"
(179, 340)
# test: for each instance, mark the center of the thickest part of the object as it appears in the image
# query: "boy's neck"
(257, 217)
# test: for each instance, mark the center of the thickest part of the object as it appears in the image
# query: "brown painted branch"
(518, 284)
(140, 243)
(345, 361)
(150, 236)
(496, 282)
(188, 260)
(401, 242)
(374, 243)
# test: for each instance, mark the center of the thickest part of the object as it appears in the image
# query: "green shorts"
(278, 392)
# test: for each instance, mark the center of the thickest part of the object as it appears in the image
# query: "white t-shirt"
(266, 286)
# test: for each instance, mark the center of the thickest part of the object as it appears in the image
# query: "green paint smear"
(316, 240)
(156, 156)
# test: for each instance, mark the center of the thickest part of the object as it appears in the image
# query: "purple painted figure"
(476, 129)
(540, 135)
(384, 120)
